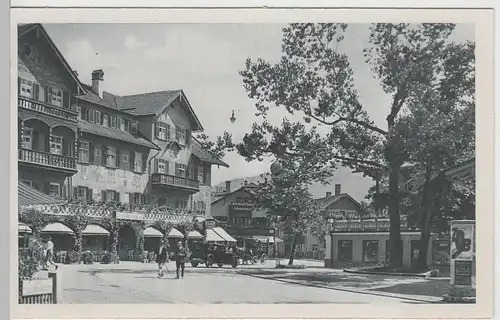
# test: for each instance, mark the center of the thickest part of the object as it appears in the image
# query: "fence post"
(56, 286)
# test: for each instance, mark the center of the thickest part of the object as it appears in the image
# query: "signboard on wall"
(210, 223)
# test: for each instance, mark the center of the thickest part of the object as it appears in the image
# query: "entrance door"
(56, 145)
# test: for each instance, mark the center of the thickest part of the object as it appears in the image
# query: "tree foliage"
(417, 65)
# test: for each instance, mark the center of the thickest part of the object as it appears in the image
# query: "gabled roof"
(327, 201)
(154, 103)
(93, 97)
(117, 134)
(223, 196)
(24, 29)
(206, 155)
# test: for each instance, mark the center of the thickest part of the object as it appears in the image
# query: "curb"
(394, 296)
(420, 275)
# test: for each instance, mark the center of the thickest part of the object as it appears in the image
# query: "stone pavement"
(132, 282)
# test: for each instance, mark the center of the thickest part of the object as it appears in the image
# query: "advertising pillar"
(462, 262)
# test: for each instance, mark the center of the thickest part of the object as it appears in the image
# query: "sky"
(204, 60)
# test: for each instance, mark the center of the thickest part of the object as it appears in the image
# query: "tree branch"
(372, 163)
(358, 122)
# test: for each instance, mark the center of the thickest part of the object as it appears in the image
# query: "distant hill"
(352, 183)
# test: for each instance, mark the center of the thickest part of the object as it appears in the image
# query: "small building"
(235, 210)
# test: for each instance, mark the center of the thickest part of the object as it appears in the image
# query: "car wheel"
(194, 264)
(220, 265)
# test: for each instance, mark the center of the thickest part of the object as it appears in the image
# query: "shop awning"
(194, 235)
(212, 236)
(223, 234)
(57, 227)
(151, 232)
(174, 233)
(267, 238)
(28, 196)
(95, 230)
(23, 228)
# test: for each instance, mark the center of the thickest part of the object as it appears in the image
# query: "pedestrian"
(180, 259)
(161, 257)
(50, 253)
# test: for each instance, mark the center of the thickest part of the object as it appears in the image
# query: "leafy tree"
(410, 61)
(303, 159)
(221, 145)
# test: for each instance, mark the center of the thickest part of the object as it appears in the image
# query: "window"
(111, 156)
(345, 250)
(55, 190)
(91, 115)
(314, 248)
(139, 198)
(27, 138)
(201, 174)
(82, 193)
(122, 124)
(162, 131)
(113, 122)
(162, 166)
(180, 170)
(370, 251)
(133, 127)
(125, 160)
(98, 117)
(126, 126)
(105, 120)
(54, 97)
(84, 151)
(138, 167)
(56, 145)
(111, 195)
(180, 135)
(25, 88)
(163, 117)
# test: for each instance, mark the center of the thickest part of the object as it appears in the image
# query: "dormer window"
(25, 88)
(54, 97)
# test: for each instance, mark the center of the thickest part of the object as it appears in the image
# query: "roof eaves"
(198, 122)
(58, 53)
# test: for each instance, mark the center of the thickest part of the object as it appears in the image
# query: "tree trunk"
(426, 218)
(395, 242)
(292, 249)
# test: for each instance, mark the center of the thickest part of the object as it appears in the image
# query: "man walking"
(50, 253)
(161, 258)
(180, 259)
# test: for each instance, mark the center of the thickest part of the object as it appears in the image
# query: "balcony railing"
(174, 181)
(70, 114)
(47, 159)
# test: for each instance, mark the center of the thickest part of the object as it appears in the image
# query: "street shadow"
(156, 278)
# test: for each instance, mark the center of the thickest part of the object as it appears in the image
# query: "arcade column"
(462, 262)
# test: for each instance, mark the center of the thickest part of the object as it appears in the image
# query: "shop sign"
(463, 273)
(211, 223)
(129, 216)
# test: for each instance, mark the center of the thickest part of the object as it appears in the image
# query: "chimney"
(228, 186)
(97, 76)
(328, 194)
(337, 190)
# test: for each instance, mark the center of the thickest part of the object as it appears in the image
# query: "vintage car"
(211, 254)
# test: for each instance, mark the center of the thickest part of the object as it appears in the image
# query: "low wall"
(44, 288)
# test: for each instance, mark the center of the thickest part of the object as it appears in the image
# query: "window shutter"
(91, 153)
(66, 99)
(46, 98)
(36, 91)
(143, 198)
(117, 196)
(155, 169)
(104, 156)
(177, 133)
(64, 191)
(156, 130)
(103, 195)
(188, 137)
(144, 162)
(131, 198)
(167, 134)
(132, 160)
(75, 192)
(118, 158)
(89, 194)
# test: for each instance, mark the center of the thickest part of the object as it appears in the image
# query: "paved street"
(137, 283)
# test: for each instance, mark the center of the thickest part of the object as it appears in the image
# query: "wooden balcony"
(175, 182)
(37, 106)
(47, 160)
